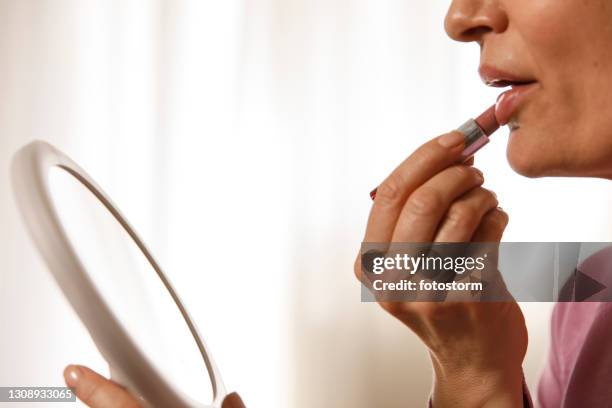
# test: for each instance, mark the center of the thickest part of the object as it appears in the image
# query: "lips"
(509, 102)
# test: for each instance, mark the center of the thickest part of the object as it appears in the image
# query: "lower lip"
(510, 101)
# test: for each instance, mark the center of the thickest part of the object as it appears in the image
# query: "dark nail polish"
(373, 193)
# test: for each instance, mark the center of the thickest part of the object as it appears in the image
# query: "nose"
(472, 20)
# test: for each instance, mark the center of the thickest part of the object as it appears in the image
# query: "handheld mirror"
(114, 284)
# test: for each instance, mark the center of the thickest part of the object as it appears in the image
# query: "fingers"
(426, 206)
(428, 160)
(465, 215)
(233, 400)
(491, 230)
(95, 390)
(492, 226)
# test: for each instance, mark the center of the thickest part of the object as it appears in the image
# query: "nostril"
(469, 20)
(475, 33)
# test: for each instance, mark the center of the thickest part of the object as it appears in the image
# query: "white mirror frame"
(129, 366)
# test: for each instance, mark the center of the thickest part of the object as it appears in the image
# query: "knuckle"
(390, 191)
(497, 218)
(466, 174)
(463, 172)
(91, 393)
(477, 173)
(425, 201)
(491, 196)
(426, 152)
(461, 215)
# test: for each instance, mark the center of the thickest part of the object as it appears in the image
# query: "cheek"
(564, 130)
(553, 47)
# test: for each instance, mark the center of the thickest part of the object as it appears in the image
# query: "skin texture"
(99, 392)
(562, 129)
(565, 127)
(95, 390)
(476, 348)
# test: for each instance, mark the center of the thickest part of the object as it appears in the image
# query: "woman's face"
(561, 125)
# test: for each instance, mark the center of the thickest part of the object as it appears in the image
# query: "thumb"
(96, 391)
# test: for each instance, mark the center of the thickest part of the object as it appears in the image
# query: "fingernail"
(450, 140)
(479, 172)
(72, 375)
(373, 193)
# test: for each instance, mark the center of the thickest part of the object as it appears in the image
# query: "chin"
(530, 159)
(535, 153)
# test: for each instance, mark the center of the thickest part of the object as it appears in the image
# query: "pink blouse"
(578, 372)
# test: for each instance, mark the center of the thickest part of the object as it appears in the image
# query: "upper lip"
(493, 76)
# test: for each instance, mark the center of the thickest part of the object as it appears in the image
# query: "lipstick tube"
(477, 132)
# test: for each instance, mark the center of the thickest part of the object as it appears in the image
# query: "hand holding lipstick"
(431, 198)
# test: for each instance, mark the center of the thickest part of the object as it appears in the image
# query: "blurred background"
(252, 132)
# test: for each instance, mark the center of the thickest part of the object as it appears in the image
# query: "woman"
(562, 51)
